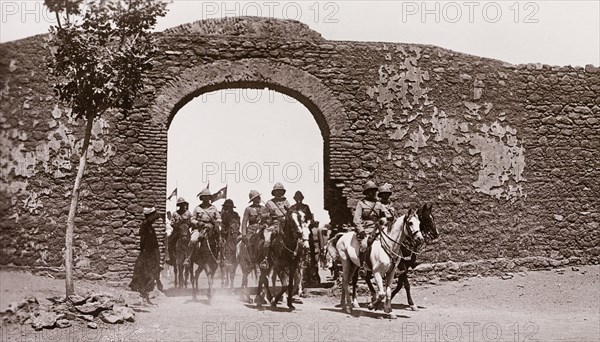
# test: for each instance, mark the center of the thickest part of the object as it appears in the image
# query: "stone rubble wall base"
(424, 273)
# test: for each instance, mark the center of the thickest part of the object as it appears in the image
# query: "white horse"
(381, 261)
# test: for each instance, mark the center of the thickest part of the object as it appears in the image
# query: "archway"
(245, 139)
(326, 109)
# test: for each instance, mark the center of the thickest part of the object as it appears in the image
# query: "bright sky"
(242, 130)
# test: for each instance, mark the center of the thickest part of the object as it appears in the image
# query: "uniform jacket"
(252, 217)
(275, 210)
(367, 213)
(208, 217)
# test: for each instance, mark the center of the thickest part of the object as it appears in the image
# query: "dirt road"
(533, 306)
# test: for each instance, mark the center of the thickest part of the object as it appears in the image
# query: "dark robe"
(147, 266)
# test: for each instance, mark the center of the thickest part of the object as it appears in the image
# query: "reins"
(396, 257)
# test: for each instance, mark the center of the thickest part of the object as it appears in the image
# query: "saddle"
(362, 255)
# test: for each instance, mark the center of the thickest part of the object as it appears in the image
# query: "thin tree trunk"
(70, 289)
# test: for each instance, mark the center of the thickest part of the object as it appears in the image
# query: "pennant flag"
(219, 194)
(174, 193)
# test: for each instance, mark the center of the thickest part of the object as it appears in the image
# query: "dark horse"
(177, 247)
(205, 255)
(284, 255)
(409, 251)
(228, 260)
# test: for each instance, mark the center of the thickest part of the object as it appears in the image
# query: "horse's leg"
(355, 304)
(223, 272)
(232, 274)
(389, 279)
(262, 281)
(175, 274)
(284, 282)
(412, 304)
(210, 274)
(188, 274)
(194, 280)
(290, 288)
(274, 278)
(299, 276)
(400, 283)
(380, 287)
(368, 276)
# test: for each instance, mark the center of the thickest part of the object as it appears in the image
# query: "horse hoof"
(371, 306)
(291, 307)
(414, 308)
(347, 310)
(392, 316)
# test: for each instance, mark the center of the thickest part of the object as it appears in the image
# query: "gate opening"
(245, 139)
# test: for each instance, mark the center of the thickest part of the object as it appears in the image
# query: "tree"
(100, 51)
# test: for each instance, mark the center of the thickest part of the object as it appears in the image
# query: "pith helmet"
(181, 201)
(253, 194)
(277, 186)
(204, 192)
(298, 196)
(385, 188)
(228, 203)
(369, 185)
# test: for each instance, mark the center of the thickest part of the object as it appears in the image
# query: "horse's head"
(299, 222)
(413, 227)
(428, 226)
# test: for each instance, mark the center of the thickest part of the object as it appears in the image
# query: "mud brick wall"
(508, 154)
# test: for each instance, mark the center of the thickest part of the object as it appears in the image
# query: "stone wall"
(508, 154)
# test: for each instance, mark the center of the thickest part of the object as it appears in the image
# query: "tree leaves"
(101, 51)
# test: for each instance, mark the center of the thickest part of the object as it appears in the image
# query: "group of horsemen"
(270, 217)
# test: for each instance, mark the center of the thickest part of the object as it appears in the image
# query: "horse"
(181, 270)
(228, 260)
(248, 263)
(411, 248)
(177, 246)
(205, 255)
(409, 251)
(284, 254)
(381, 260)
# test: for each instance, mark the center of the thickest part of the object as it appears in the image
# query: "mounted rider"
(299, 206)
(311, 274)
(181, 218)
(384, 193)
(205, 216)
(273, 216)
(230, 219)
(366, 216)
(251, 220)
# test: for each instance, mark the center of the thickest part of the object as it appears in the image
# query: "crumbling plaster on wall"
(402, 93)
(22, 157)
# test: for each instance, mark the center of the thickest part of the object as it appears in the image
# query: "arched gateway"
(507, 153)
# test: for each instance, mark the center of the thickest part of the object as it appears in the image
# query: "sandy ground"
(534, 306)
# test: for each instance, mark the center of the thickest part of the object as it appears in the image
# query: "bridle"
(395, 257)
(410, 242)
(298, 232)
